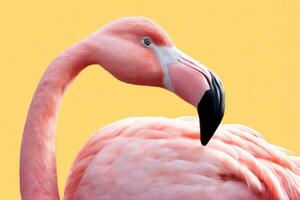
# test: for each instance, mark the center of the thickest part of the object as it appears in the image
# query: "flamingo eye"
(146, 41)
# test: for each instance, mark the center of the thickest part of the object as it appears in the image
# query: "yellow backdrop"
(252, 45)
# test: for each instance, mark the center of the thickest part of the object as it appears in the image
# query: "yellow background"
(252, 45)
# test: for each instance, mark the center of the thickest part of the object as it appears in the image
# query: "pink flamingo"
(152, 157)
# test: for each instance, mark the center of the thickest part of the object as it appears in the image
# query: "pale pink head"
(138, 51)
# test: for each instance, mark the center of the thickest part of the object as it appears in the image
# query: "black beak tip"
(205, 140)
(204, 143)
(207, 133)
(211, 110)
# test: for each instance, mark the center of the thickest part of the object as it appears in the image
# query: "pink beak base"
(187, 83)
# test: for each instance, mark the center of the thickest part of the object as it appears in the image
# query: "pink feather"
(160, 158)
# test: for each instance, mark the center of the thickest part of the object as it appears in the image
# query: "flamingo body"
(160, 158)
(155, 157)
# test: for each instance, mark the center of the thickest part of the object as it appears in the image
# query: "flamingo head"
(138, 51)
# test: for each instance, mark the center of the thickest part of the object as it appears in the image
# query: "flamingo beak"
(211, 106)
(200, 87)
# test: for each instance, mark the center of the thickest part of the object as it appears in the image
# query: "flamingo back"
(159, 158)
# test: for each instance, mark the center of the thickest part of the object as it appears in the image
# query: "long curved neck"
(38, 179)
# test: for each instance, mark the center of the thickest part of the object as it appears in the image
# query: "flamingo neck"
(38, 178)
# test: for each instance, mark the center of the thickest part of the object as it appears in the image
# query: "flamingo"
(151, 157)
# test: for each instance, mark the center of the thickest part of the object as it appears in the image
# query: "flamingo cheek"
(187, 83)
